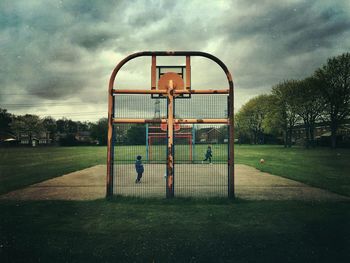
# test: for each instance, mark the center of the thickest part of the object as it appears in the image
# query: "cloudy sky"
(56, 56)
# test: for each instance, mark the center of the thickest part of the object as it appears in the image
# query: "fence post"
(170, 157)
(193, 143)
(147, 142)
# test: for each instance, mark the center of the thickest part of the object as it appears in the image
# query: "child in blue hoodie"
(139, 168)
(208, 155)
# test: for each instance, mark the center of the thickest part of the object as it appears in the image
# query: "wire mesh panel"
(156, 143)
(202, 107)
(206, 175)
(200, 150)
(139, 107)
(130, 142)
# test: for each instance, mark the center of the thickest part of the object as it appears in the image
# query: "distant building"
(322, 133)
(44, 138)
(83, 136)
(34, 139)
(210, 135)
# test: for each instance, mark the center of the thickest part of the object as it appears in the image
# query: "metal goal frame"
(170, 93)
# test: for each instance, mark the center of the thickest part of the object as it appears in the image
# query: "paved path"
(251, 184)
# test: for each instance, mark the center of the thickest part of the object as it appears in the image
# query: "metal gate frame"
(170, 94)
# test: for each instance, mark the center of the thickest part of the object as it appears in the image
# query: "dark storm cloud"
(145, 17)
(56, 50)
(285, 39)
(56, 85)
(92, 38)
(301, 26)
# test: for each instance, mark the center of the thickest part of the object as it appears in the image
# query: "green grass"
(133, 230)
(158, 152)
(179, 230)
(321, 167)
(20, 167)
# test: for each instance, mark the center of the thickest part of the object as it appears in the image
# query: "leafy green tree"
(17, 125)
(67, 126)
(334, 82)
(62, 125)
(136, 135)
(309, 105)
(250, 119)
(50, 125)
(30, 124)
(99, 131)
(84, 126)
(5, 120)
(285, 93)
(272, 121)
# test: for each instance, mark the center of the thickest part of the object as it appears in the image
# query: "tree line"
(322, 97)
(62, 131)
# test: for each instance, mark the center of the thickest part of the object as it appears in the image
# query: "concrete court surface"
(196, 180)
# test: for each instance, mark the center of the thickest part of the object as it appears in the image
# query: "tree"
(17, 125)
(250, 119)
(5, 120)
(272, 121)
(67, 126)
(309, 105)
(50, 126)
(62, 125)
(287, 108)
(30, 124)
(84, 126)
(334, 82)
(136, 135)
(99, 131)
(72, 126)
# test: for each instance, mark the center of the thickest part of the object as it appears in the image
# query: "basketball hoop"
(164, 126)
(163, 83)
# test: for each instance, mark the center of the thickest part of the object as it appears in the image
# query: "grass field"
(321, 167)
(21, 167)
(132, 230)
(179, 230)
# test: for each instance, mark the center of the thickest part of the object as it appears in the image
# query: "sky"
(56, 56)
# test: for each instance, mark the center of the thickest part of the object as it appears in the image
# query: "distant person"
(208, 155)
(139, 168)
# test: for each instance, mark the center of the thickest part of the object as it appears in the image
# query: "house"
(210, 135)
(83, 136)
(322, 133)
(34, 139)
(44, 138)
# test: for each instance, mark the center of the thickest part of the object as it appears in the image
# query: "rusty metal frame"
(176, 121)
(171, 121)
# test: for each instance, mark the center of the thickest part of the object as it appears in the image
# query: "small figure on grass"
(208, 155)
(139, 168)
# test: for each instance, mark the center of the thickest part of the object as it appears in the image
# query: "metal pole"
(147, 141)
(110, 146)
(177, 121)
(170, 160)
(231, 164)
(150, 147)
(193, 142)
(164, 92)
